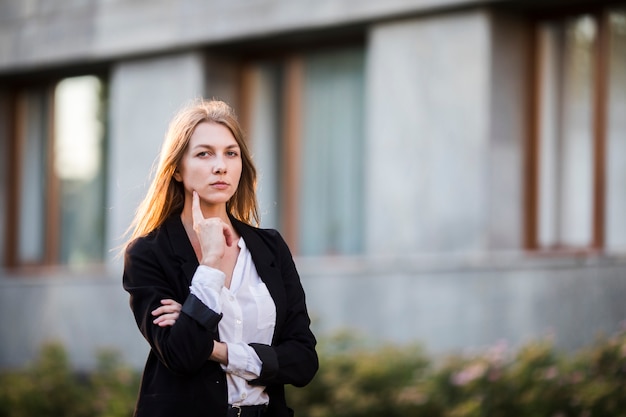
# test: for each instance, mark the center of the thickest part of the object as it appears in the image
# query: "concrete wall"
(427, 132)
(447, 304)
(35, 34)
(445, 131)
(454, 304)
(87, 312)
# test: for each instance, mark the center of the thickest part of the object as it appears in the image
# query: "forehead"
(212, 134)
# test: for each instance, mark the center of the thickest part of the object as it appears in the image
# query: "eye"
(202, 154)
(232, 153)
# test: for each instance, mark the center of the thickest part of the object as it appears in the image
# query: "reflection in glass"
(79, 166)
(616, 134)
(331, 214)
(566, 133)
(32, 177)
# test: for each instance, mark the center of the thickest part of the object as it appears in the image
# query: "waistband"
(247, 410)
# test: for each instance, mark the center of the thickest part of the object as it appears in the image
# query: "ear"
(177, 176)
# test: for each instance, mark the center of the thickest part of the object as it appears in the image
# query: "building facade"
(446, 172)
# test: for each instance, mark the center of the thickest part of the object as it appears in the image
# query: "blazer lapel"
(181, 245)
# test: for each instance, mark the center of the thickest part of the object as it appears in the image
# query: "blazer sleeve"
(292, 358)
(150, 276)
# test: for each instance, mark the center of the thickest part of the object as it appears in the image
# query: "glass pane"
(331, 197)
(549, 135)
(616, 134)
(79, 166)
(31, 179)
(566, 136)
(265, 103)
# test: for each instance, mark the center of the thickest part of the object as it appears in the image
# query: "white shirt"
(249, 316)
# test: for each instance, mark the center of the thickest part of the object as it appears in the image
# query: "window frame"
(290, 137)
(16, 136)
(599, 116)
(16, 148)
(290, 58)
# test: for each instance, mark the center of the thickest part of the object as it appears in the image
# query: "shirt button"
(243, 396)
(231, 298)
(238, 321)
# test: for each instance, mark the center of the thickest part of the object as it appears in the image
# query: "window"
(305, 121)
(615, 235)
(56, 204)
(577, 192)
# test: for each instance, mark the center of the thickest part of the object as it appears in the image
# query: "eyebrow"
(205, 146)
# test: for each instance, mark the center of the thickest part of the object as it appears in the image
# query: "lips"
(220, 185)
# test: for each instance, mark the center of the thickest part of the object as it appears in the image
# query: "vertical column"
(427, 131)
(510, 125)
(144, 96)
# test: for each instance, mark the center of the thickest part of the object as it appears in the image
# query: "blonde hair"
(166, 196)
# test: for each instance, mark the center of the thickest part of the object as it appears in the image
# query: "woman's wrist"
(210, 261)
(220, 353)
(204, 278)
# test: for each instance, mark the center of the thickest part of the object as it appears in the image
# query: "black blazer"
(178, 379)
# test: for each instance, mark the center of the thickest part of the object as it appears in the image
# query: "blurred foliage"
(357, 380)
(535, 380)
(50, 388)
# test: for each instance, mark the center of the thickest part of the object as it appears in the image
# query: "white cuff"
(243, 361)
(207, 284)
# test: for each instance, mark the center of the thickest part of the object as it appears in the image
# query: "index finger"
(196, 211)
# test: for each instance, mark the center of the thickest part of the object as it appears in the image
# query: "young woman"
(219, 300)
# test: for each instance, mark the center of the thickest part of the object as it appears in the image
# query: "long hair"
(166, 196)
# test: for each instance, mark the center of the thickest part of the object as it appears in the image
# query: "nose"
(220, 166)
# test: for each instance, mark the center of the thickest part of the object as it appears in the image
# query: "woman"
(219, 300)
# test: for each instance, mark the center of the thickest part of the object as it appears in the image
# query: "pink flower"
(576, 377)
(551, 373)
(469, 374)
(497, 353)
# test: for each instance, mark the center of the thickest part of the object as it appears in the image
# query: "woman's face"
(211, 164)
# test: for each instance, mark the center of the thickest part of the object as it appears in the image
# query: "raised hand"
(213, 234)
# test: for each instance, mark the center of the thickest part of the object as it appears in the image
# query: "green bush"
(50, 388)
(353, 381)
(535, 381)
(356, 381)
